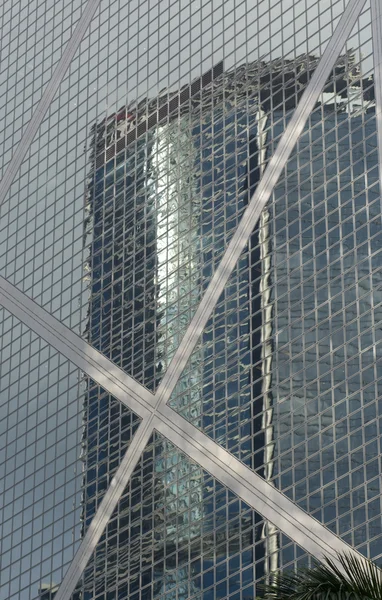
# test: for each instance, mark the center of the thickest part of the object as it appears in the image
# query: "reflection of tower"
(177, 210)
(144, 271)
(168, 186)
(170, 180)
(270, 532)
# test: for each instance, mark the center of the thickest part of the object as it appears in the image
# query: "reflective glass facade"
(190, 263)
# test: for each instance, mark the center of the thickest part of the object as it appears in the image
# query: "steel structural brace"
(47, 97)
(260, 197)
(244, 482)
(153, 410)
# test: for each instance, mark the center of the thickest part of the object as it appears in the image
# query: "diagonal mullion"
(72, 346)
(106, 509)
(47, 97)
(261, 495)
(258, 493)
(259, 199)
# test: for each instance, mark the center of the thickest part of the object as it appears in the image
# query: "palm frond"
(354, 579)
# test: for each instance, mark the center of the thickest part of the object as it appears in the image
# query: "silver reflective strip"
(259, 198)
(83, 355)
(47, 97)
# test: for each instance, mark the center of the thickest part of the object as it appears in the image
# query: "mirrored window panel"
(61, 440)
(138, 176)
(177, 533)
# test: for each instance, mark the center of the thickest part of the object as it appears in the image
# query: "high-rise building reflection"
(161, 173)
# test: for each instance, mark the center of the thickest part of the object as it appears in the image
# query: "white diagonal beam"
(308, 533)
(255, 491)
(106, 509)
(376, 26)
(47, 97)
(259, 199)
(249, 486)
(262, 496)
(83, 355)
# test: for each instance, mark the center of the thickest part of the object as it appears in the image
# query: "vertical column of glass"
(177, 213)
(121, 318)
(269, 534)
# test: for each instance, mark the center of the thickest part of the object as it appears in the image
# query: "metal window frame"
(47, 97)
(153, 410)
(376, 28)
(260, 197)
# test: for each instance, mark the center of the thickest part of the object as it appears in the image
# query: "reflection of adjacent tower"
(270, 535)
(169, 183)
(177, 211)
(142, 234)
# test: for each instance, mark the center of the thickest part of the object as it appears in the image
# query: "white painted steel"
(259, 494)
(253, 489)
(249, 486)
(88, 359)
(259, 199)
(47, 97)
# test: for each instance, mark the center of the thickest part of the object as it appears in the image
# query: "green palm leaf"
(355, 580)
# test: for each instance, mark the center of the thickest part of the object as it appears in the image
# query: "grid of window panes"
(55, 465)
(41, 396)
(177, 533)
(290, 359)
(117, 220)
(135, 55)
(33, 35)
